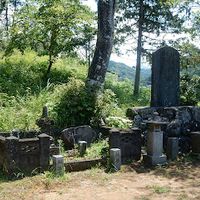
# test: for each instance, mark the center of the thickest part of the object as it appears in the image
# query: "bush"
(190, 90)
(124, 92)
(20, 73)
(80, 105)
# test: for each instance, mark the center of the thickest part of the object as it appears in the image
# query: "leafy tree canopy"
(50, 27)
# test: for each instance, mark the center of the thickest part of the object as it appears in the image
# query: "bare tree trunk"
(15, 5)
(99, 65)
(89, 53)
(49, 67)
(6, 16)
(139, 50)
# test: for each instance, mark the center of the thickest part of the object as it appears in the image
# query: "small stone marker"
(172, 148)
(82, 147)
(115, 158)
(165, 77)
(155, 154)
(58, 164)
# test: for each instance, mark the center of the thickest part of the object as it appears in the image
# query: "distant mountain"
(124, 71)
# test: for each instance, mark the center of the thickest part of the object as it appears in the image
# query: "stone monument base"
(154, 160)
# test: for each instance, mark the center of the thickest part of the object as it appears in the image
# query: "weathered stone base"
(154, 160)
(182, 120)
(83, 164)
(128, 141)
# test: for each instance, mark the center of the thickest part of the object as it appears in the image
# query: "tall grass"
(24, 91)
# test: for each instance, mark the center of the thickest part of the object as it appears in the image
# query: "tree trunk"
(49, 67)
(139, 50)
(99, 65)
(6, 17)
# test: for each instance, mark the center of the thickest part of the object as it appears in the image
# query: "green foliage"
(50, 27)
(118, 122)
(97, 149)
(157, 16)
(190, 72)
(160, 189)
(190, 56)
(124, 92)
(21, 112)
(22, 74)
(23, 93)
(126, 72)
(80, 105)
(190, 89)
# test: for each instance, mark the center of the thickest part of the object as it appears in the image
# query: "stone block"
(155, 143)
(172, 148)
(154, 160)
(115, 158)
(44, 145)
(82, 147)
(195, 137)
(58, 165)
(73, 135)
(128, 141)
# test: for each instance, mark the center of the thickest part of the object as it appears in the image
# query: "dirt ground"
(179, 181)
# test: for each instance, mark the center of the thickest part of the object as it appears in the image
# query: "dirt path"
(177, 182)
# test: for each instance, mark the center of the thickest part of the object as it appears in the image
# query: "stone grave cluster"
(163, 127)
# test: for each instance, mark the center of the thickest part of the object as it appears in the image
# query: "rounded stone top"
(43, 135)
(166, 48)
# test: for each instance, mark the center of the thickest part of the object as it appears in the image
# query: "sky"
(130, 58)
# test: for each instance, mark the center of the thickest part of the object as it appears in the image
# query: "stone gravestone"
(165, 77)
(73, 135)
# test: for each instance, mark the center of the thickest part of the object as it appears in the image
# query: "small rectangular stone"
(58, 164)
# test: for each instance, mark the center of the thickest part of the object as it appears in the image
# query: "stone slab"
(165, 77)
(154, 160)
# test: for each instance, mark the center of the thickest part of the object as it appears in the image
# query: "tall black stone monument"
(165, 89)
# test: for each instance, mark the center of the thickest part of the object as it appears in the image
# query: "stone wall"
(24, 155)
(182, 120)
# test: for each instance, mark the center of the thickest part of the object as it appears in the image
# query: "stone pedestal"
(58, 165)
(172, 148)
(44, 145)
(154, 145)
(195, 136)
(82, 147)
(11, 155)
(115, 158)
(128, 141)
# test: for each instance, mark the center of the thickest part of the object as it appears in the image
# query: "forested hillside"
(124, 71)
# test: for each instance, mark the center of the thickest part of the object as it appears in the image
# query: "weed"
(97, 149)
(160, 189)
(51, 177)
(183, 197)
(144, 198)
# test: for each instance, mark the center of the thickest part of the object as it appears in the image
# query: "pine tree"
(145, 16)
